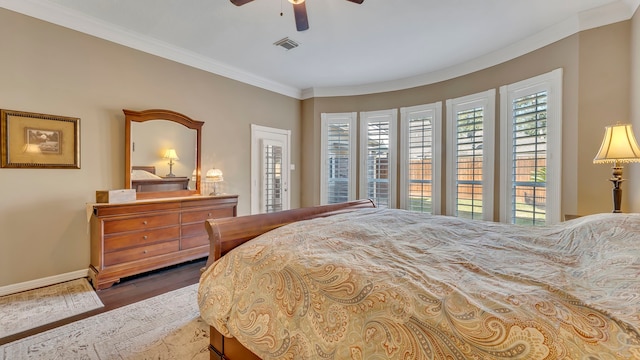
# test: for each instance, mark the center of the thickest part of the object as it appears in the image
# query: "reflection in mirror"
(162, 154)
(149, 144)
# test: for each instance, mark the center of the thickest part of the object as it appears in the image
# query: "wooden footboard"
(227, 233)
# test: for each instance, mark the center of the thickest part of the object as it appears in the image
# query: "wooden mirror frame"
(159, 114)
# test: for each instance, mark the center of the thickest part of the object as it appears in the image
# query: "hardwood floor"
(131, 290)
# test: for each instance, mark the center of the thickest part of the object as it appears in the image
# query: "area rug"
(30, 309)
(167, 326)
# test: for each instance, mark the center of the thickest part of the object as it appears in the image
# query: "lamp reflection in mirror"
(214, 176)
(618, 146)
(32, 149)
(171, 155)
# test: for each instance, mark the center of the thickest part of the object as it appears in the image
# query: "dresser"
(132, 238)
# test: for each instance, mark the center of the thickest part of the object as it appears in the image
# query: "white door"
(269, 169)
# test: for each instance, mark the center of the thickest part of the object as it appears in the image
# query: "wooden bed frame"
(227, 233)
(164, 184)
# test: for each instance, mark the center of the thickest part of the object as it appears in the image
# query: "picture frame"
(32, 140)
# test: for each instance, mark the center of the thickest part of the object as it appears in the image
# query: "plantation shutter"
(272, 175)
(378, 165)
(338, 157)
(338, 144)
(529, 159)
(469, 156)
(531, 165)
(420, 185)
(470, 160)
(420, 171)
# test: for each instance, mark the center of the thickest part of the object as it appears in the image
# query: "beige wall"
(596, 69)
(52, 70)
(604, 86)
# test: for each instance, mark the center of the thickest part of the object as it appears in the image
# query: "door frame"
(258, 133)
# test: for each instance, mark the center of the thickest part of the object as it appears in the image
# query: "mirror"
(162, 153)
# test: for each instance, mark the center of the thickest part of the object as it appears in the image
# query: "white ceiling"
(380, 45)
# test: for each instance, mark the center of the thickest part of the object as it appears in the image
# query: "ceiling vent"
(286, 43)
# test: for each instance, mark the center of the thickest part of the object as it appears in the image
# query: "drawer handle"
(145, 237)
(144, 252)
(144, 222)
(209, 215)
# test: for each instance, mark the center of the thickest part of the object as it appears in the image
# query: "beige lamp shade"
(214, 175)
(171, 154)
(619, 145)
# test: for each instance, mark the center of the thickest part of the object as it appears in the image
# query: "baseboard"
(37, 283)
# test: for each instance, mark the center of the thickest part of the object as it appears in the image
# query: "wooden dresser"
(132, 238)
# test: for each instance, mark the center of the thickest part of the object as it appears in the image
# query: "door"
(269, 169)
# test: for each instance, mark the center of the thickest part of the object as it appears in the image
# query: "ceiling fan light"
(296, 2)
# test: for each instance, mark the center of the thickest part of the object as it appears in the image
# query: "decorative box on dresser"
(132, 238)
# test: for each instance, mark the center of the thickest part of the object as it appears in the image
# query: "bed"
(363, 283)
(144, 179)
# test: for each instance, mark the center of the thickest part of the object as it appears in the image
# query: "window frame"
(552, 83)
(365, 118)
(486, 100)
(433, 110)
(332, 118)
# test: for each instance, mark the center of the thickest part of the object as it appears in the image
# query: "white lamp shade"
(619, 145)
(171, 154)
(214, 175)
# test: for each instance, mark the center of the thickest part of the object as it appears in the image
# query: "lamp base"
(170, 174)
(214, 189)
(617, 199)
(617, 193)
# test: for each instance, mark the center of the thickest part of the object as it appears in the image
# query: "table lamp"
(214, 176)
(618, 146)
(171, 155)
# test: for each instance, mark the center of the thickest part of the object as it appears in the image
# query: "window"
(420, 140)
(470, 165)
(531, 117)
(338, 157)
(378, 156)
(272, 175)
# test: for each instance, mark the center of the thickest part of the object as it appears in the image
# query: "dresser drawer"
(194, 241)
(141, 252)
(141, 223)
(195, 229)
(202, 215)
(137, 238)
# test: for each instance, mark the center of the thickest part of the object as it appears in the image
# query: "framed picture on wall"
(31, 140)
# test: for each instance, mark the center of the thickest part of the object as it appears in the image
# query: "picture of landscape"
(47, 141)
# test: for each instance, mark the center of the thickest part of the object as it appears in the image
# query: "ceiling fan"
(299, 10)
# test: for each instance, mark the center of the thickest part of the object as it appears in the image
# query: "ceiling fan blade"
(240, 2)
(300, 12)
(356, 1)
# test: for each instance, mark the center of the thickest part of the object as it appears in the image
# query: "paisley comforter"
(391, 284)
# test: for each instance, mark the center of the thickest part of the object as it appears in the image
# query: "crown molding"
(616, 11)
(58, 15)
(620, 10)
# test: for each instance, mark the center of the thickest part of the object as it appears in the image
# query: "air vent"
(286, 43)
